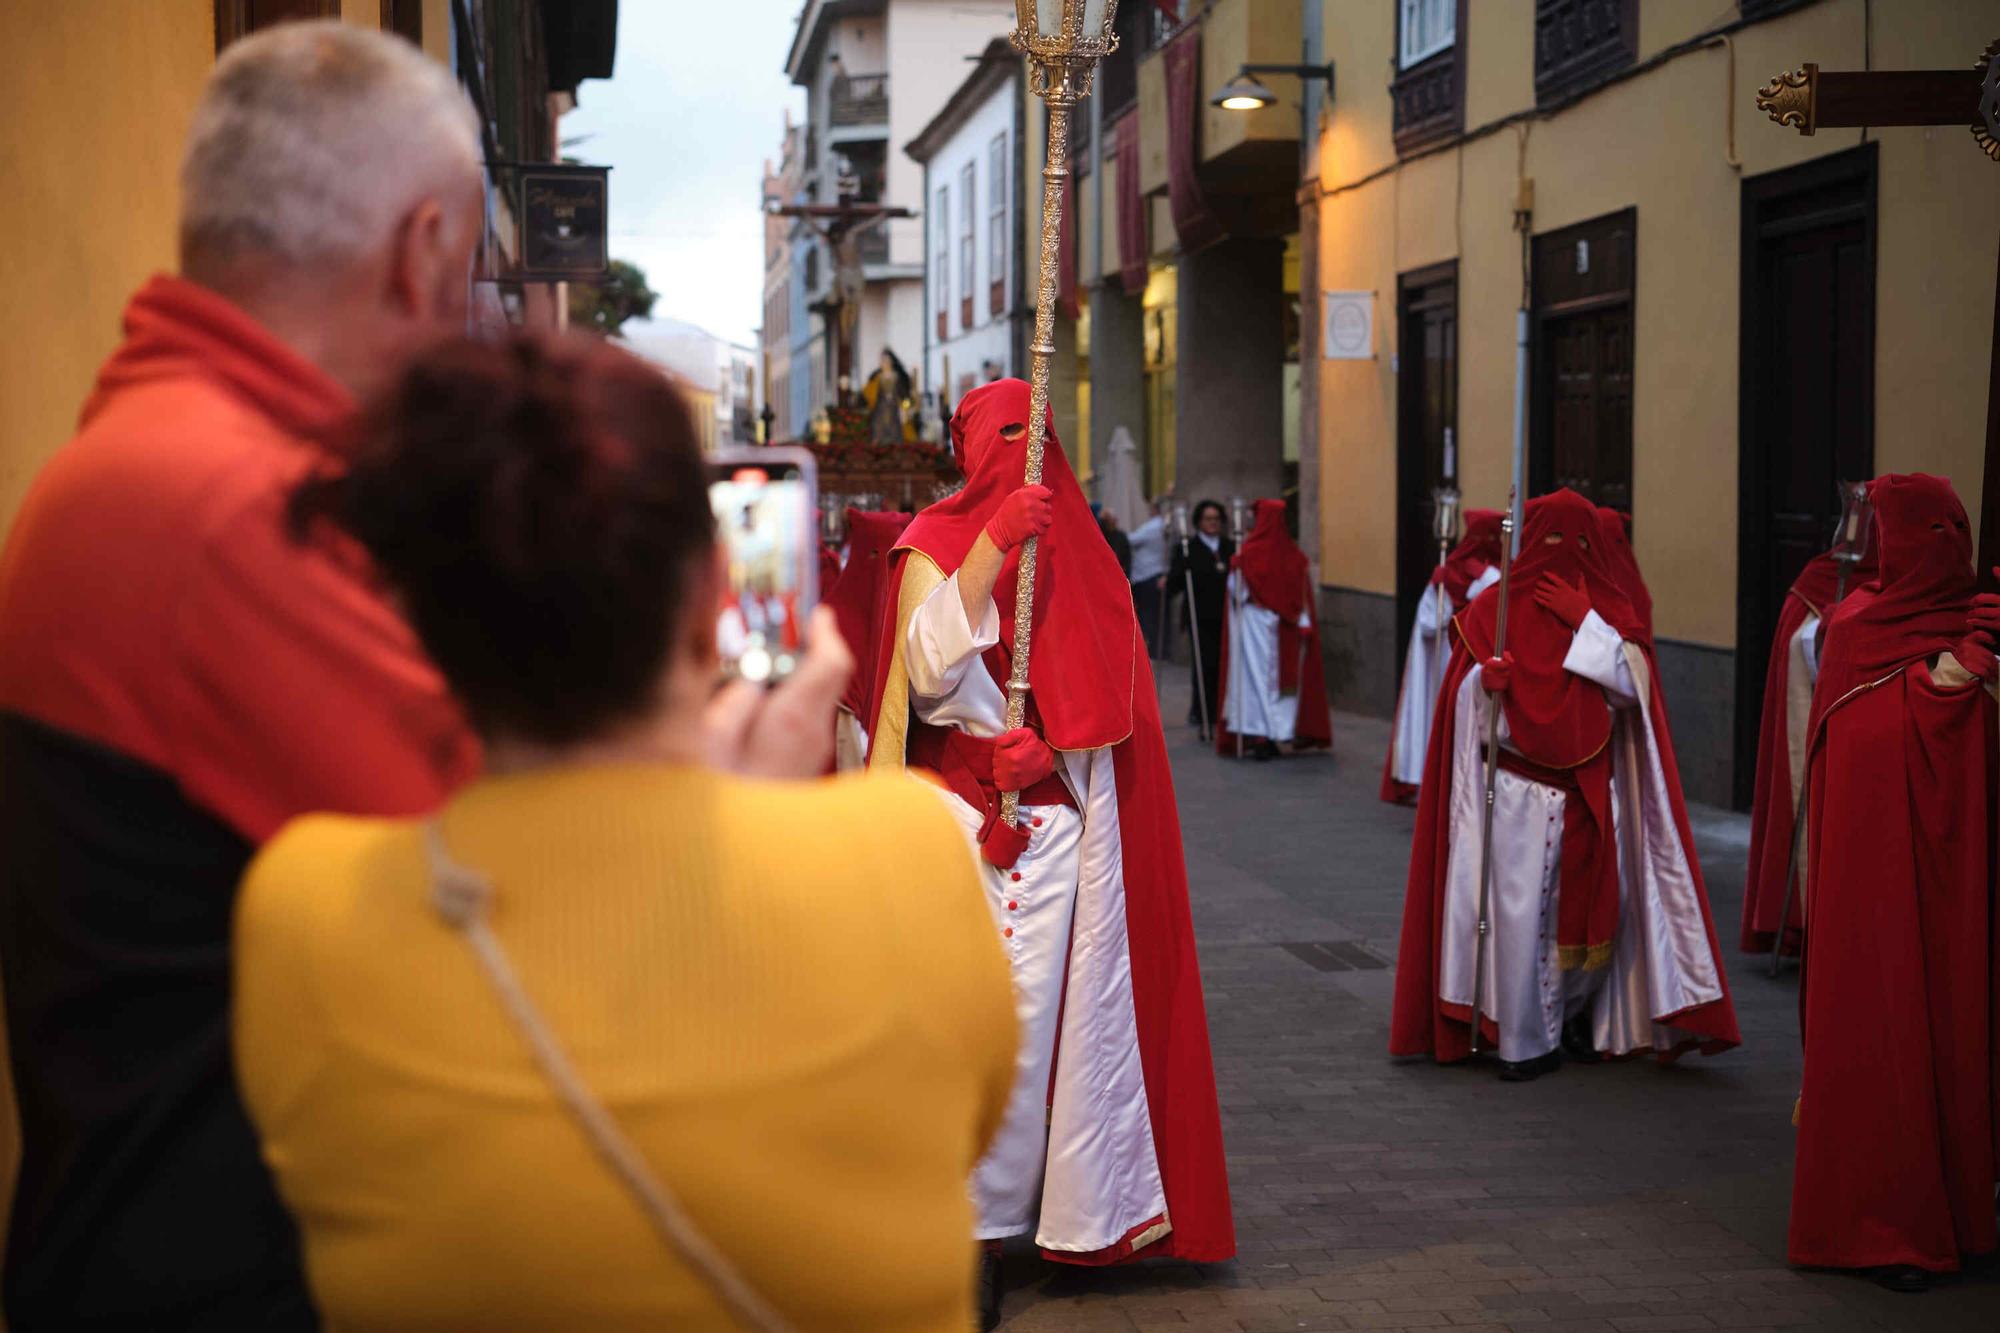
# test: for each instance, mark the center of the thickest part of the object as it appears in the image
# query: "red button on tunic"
(1009, 932)
(1013, 906)
(1017, 876)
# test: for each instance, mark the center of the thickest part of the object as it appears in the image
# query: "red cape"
(855, 597)
(1280, 580)
(1422, 1023)
(1898, 997)
(1815, 592)
(1168, 1010)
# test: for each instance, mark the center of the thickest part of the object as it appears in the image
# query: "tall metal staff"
(1184, 527)
(1239, 529)
(1063, 41)
(1444, 514)
(1850, 548)
(1492, 759)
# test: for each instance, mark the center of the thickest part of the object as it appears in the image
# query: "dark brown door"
(1426, 427)
(1581, 433)
(240, 18)
(1807, 410)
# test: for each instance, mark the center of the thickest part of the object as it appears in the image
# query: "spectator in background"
(178, 678)
(1203, 562)
(1149, 578)
(1120, 544)
(405, 1097)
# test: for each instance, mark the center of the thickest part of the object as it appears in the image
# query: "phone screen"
(764, 502)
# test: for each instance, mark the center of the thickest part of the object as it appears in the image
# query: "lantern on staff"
(1063, 41)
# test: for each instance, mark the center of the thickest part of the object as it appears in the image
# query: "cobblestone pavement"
(1374, 1194)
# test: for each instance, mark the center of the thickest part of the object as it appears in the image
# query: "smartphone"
(766, 505)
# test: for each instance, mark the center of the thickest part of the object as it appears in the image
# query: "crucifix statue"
(1810, 99)
(841, 226)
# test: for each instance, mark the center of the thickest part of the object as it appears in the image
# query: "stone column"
(1230, 371)
(1117, 368)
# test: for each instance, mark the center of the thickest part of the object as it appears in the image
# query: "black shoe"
(990, 1286)
(1263, 752)
(1903, 1278)
(1577, 1046)
(1527, 1071)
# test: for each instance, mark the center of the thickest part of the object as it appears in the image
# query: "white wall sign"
(1350, 326)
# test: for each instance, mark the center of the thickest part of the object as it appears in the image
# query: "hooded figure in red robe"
(1614, 529)
(1277, 693)
(1899, 1104)
(1117, 1153)
(855, 596)
(1781, 748)
(1471, 568)
(1600, 939)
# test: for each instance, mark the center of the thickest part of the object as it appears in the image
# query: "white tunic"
(1255, 705)
(1423, 675)
(1087, 1152)
(1661, 962)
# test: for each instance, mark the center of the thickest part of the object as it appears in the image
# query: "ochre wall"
(99, 98)
(1660, 143)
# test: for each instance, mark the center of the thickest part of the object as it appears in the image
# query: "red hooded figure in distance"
(1471, 568)
(1781, 749)
(1273, 684)
(856, 596)
(1600, 939)
(1112, 1145)
(1897, 1118)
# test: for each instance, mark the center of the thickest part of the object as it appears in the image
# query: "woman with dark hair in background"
(583, 1050)
(1204, 558)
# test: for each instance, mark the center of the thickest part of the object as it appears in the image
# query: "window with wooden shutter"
(1428, 92)
(1581, 42)
(996, 225)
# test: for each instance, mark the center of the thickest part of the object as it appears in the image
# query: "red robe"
(1092, 687)
(855, 597)
(1557, 720)
(1815, 592)
(1478, 550)
(1280, 580)
(1899, 1105)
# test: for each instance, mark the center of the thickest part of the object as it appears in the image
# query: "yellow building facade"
(1662, 159)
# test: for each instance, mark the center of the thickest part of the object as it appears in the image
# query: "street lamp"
(1063, 41)
(1246, 92)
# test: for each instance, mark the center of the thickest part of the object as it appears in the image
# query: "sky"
(694, 105)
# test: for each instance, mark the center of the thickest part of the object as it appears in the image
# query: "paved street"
(1372, 1194)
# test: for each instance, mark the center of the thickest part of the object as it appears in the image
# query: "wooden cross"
(1809, 99)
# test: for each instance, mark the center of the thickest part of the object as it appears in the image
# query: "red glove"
(1567, 604)
(1975, 653)
(1026, 513)
(1985, 614)
(1003, 844)
(1496, 673)
(1021, 759)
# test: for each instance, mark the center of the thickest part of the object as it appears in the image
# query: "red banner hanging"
(1194, 222)
(1133, 251)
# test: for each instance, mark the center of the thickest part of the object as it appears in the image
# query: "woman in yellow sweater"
(622, 1039)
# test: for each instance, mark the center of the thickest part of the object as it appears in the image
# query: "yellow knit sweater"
(790, 997)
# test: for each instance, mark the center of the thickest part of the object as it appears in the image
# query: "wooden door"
(1426, 426)
(1807, 408)
(1581, 411)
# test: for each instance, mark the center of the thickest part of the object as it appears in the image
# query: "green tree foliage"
(605, 306)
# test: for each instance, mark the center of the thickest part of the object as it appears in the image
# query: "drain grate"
(1336, 956)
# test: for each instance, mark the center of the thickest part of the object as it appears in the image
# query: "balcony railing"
(860, 99)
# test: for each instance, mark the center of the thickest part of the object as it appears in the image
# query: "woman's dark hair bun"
(540, 507)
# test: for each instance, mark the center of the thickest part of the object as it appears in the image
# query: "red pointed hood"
(855, 597)
(1084, 656)
(1479, 549)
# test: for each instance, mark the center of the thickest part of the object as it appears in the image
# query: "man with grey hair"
(178, 676)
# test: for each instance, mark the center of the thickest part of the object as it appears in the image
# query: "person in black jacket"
(1206, 558)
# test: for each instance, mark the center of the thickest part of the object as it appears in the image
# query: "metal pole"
(1491, 758)
(1520, 428)
(1041, 350)
(1194, 642)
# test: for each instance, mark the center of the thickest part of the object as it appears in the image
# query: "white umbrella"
(1120, 487)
